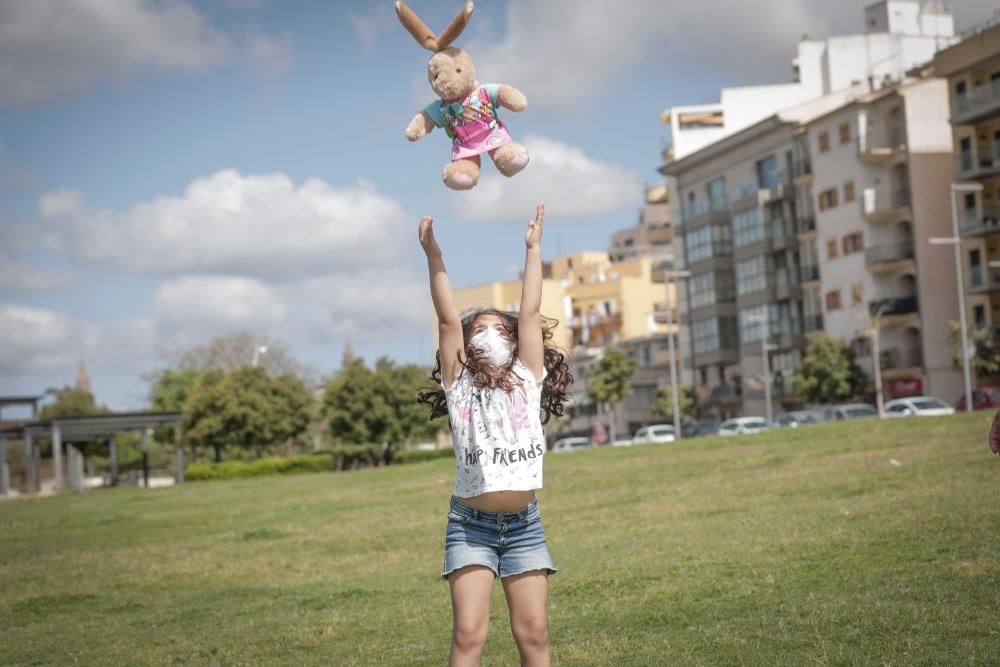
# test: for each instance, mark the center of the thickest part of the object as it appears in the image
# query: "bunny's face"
(451, 73)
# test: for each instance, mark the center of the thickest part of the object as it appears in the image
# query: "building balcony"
(985, 163)
(782, 236)
(889, 258)
(883, 205)
(898, 361)
(882, 145)
(812, 324)
(802, 172)
(979, 221)
(982, 280)
(702, 212)
(895, 311)
(808, 275)
(979, 102)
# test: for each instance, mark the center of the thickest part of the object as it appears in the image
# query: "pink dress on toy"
(471, 121)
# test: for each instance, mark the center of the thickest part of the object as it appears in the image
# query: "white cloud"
(571, 183)
(368, 27)
(229, 223)
(52, 49)
(194, 308)
(23, 278)
(561, 53)
(37, 339)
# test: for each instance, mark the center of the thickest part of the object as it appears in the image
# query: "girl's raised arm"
(451, 343)
(530, 348)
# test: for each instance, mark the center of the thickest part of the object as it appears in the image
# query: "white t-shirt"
(497, 436)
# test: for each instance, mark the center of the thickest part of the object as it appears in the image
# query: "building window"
(705, 336)
(824, 142)
(709, 241)
(853, 243)
(845, 133)
(831, 249)
(752, 321)
(979, 316)
(857, 294)
(975, 268)
(751, 275)
(965, 153)
(747, 227)
(828, 199)
(709, 288)
(833, 300)
(717, 194)
(848, 191)
(767, 172)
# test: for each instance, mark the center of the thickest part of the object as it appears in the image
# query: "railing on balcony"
(812, 323)
(805, 224)
(882, 140)
(901, 358)
(985, 160)
(699, 207)
(889, 253)
(883, 200)
(899, 305)
(801, 168)
(808, 274)
(978, 98)
(981, 277)
(979, 220)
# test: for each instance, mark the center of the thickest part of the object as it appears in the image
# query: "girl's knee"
(533, 631)
(469, 634)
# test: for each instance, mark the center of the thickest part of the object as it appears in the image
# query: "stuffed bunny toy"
(467, 110)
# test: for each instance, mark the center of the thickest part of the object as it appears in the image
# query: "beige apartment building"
(972, 71)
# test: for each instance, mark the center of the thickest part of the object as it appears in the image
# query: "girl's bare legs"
(527, 597)
(471, 589)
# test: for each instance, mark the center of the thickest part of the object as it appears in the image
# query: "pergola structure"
(75, 429)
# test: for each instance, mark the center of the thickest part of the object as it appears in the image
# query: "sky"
(178, 170)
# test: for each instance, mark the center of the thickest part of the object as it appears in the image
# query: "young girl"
(500, 380)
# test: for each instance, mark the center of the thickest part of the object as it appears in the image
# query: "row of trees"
(829, 373)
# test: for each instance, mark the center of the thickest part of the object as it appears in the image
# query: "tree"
(829, 374)
(663, 406)
(74, 402)
(168, 392)
(244, 409)
(609, 381)
(985, 344)
(234, 351)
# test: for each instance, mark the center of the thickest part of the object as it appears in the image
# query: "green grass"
(798, 547)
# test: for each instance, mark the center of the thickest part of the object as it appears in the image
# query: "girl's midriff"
(500, 501)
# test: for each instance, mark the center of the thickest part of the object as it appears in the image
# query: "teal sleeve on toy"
(434, 111)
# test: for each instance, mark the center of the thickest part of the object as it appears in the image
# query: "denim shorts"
(506, 542)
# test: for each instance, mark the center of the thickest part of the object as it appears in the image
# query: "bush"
(421, 455)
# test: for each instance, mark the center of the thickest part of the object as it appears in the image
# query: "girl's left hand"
(534, 236)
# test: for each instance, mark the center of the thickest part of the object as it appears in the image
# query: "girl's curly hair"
(487, 375)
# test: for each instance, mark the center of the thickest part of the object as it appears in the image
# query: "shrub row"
(351, 457)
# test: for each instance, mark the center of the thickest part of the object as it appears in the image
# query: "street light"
(257, 352)
(764, 349)
(877, 356)
(667, 277)
(956, 241)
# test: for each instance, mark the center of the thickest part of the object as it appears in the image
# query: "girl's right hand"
(427, 239)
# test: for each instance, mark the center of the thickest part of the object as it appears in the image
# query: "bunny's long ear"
(455, 28)
(415, 26)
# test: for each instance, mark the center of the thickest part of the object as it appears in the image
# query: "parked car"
(622, 440)
(743, 426)
(571, 444)
(707, 427)
(921, 406)
(656, 433)
(983, 398)
(849, 411)
(798, 418)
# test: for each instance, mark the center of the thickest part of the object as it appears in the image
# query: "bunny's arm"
(511, 98)
(421, 125)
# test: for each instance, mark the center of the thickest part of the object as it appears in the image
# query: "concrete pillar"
(4, 470)
(144, 445)
(31, 472)
(74, 460)
(180, 466)
(114, 460)
(57, 462)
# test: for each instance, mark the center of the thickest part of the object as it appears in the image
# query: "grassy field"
(807, 547)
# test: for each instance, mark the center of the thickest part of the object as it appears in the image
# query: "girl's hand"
(533, 238)
(427, 239)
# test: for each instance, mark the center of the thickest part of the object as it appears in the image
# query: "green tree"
(74, 402)
(986, 349)
(663, 406)
(609, 381)
(168, 392)
(245, 410)
(829, 374)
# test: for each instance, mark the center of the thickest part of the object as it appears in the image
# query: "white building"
(899, 34)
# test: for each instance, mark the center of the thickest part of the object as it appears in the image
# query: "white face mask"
(498, 349)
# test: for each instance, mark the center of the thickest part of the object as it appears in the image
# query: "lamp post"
(764, 349)
(676, 276)
(257, 352)
(956, 241)
(877, 357)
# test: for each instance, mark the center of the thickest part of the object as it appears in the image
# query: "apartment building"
(881, 170)
(898, 35)
(972, 70)
(652, 235)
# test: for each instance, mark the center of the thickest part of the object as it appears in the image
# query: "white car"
(571, 444)
(921, 406)
(622, 440)
(743, 426)
(657, 433)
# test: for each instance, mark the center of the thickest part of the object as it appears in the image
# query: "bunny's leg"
(462, 174)
(510, 158)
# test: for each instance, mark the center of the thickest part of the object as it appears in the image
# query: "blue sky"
(171, 171)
